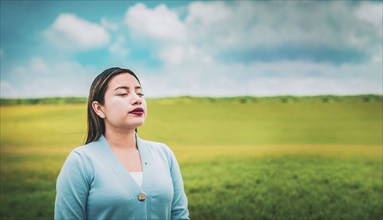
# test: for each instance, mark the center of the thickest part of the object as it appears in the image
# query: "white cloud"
(221, 28)
(208, 14)
(108, 25)
(118, 48)
(35, 67)
(40, 78)
(261, 79)
(72, 33)
(194, 65)
(183, 54)
(192, 46)
(159, 23)
(7, 90)
(39, 65)
(371, 12)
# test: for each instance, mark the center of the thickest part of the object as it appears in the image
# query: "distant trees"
(234, 99)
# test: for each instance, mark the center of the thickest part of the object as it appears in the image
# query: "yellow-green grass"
(258, 160)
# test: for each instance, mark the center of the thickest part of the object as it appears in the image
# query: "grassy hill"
(241, 157)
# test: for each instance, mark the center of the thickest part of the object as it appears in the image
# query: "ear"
(98, 109)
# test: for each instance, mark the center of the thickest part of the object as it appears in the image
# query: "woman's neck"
(121, 139)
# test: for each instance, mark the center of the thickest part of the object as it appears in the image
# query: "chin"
(136, 125)
(133, 123)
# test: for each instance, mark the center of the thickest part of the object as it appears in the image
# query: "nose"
(136, 99)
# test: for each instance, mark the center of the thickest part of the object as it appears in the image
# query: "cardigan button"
(141, 197)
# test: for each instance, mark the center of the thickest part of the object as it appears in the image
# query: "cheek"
(145, 106)
(114, 104)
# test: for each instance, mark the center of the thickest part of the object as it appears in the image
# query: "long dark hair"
(96, 125)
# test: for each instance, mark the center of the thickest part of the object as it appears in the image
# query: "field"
(241, 158)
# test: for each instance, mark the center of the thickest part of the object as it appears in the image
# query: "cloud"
(118, 48)
(213, 48)
(159, 23)
(40, 78)
(6, 90)
(186, 55)
(108, 25)
(37, 64)
(371, 12)
(262, 79)
(264, 48)
(247, 31)
(208, 14)
(35, 67)
(73, 33)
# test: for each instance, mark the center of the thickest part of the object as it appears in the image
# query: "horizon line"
(196, 96)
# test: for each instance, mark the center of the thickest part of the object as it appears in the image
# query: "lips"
(137, 111)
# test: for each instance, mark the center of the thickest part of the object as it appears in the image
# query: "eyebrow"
(126, 87)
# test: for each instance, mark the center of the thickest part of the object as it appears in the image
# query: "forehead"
(124, 79)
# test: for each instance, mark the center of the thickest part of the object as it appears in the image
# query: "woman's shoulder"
(84, 149)
(87, 150)
(155, 146)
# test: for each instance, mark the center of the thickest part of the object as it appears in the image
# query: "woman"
(117, 175)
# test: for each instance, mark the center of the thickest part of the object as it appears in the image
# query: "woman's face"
(124, 106)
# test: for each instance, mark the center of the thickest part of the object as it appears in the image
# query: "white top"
(137, 176)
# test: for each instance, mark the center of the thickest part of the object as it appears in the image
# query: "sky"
(196, 48)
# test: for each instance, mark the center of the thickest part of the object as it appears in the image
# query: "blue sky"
(208, 48)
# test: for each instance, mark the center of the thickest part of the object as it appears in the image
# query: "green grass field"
(241, 158)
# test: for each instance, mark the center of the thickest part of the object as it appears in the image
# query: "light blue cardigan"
(93, 184)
